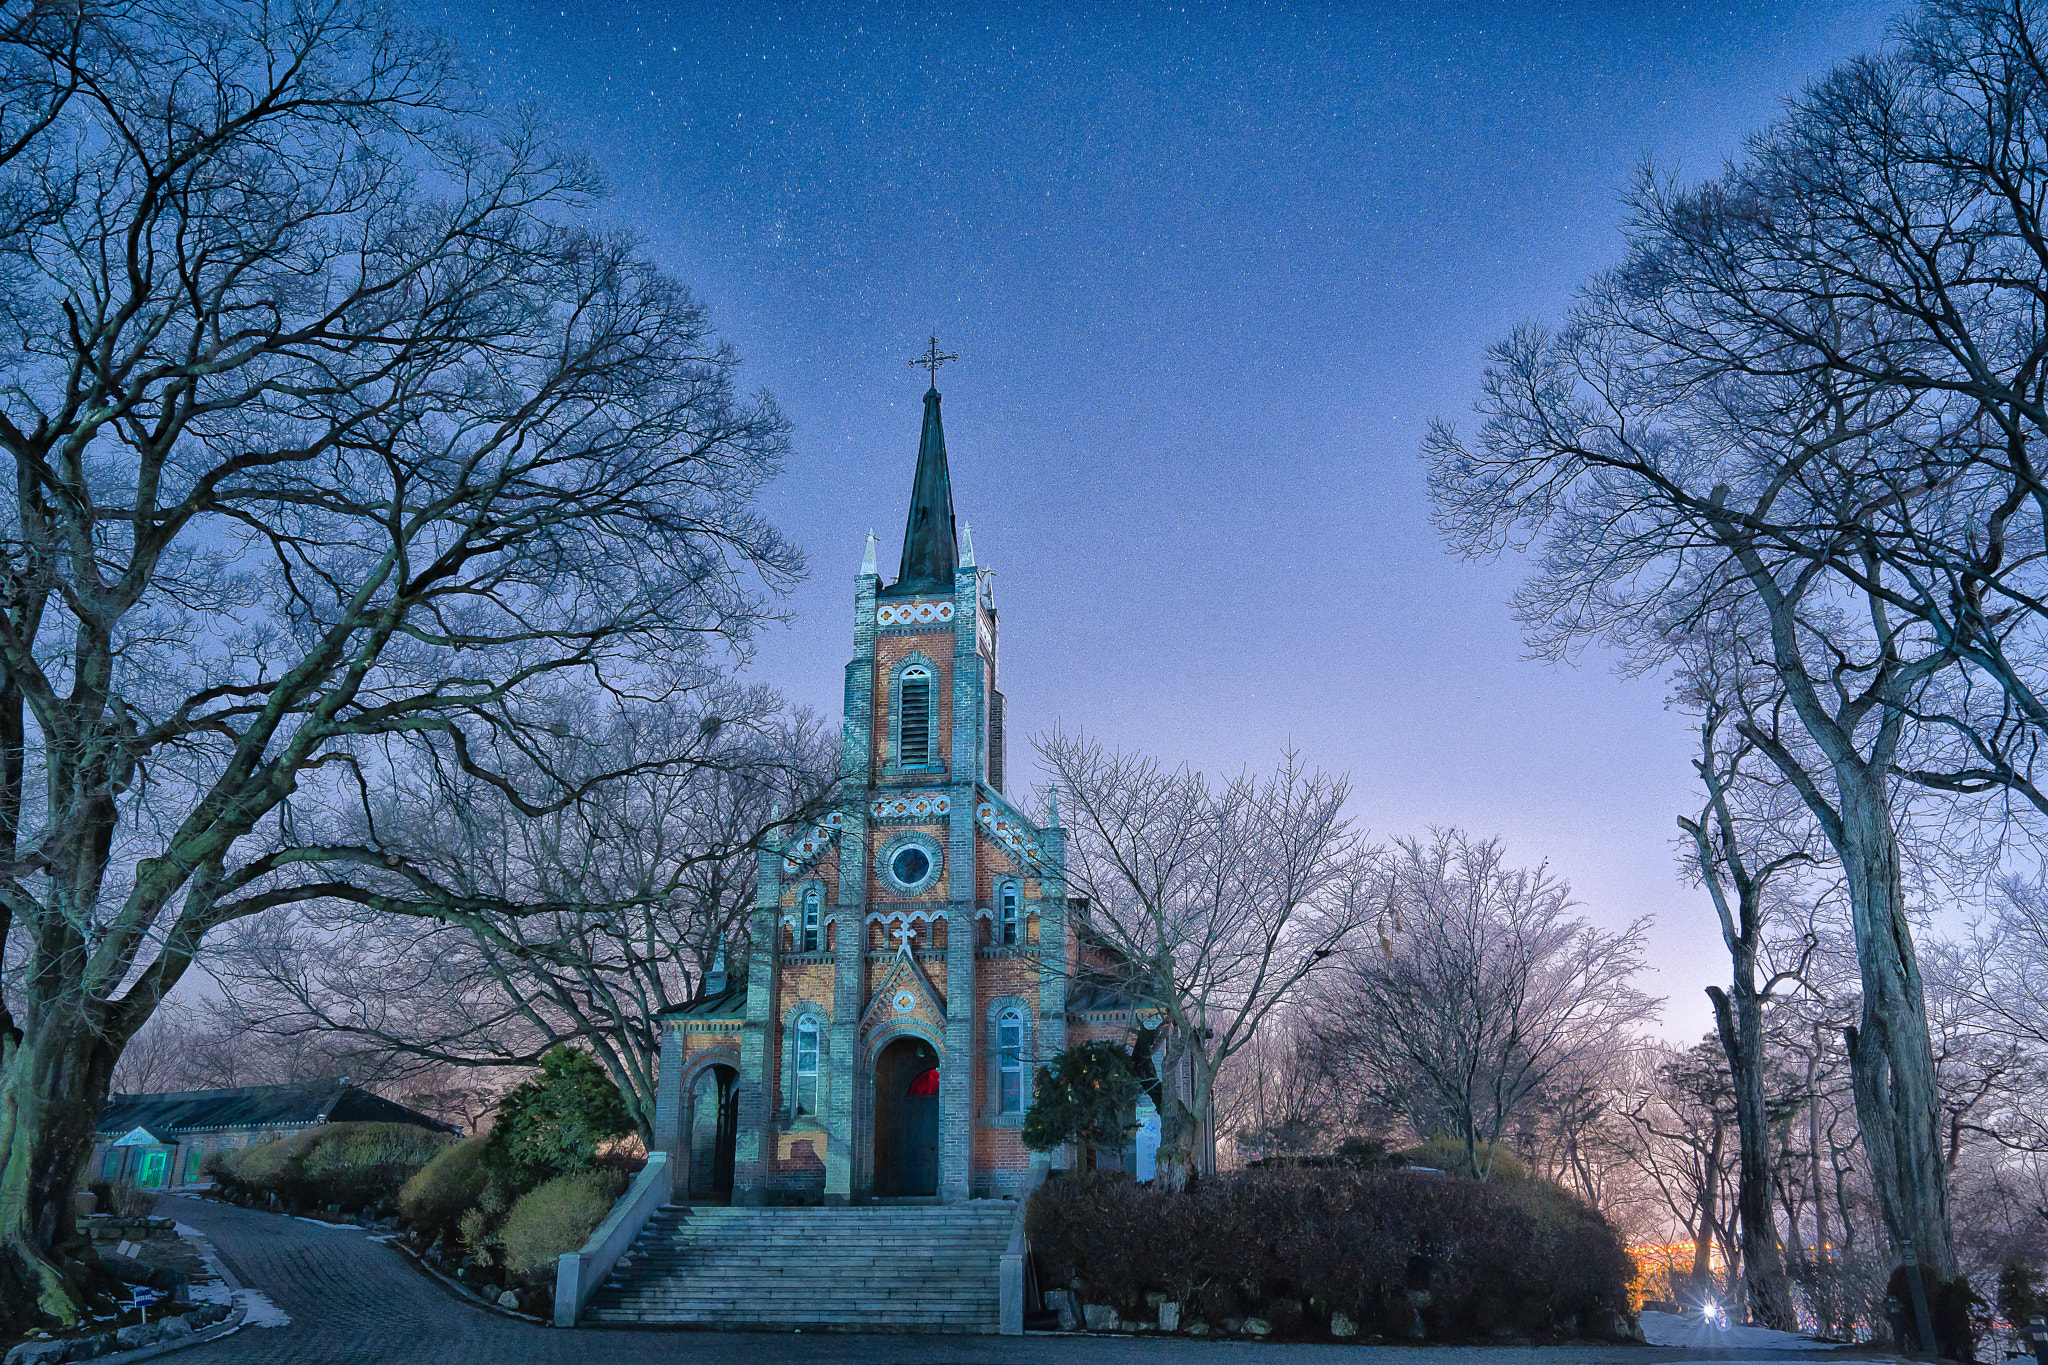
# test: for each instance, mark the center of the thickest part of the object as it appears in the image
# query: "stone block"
(85, 1203)
(174, 1328)
(1257, 1327)
(137, 1335)
(1062, 1301)
(509, 1299)
(38, 1353)
(1341, 1325)
(1099, 1317)
(1197, 1328)
(1169, 1316)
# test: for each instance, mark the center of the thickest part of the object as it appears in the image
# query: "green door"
(194, 1155)
(152, 1169)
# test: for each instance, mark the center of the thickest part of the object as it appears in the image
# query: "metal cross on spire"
(932, 359)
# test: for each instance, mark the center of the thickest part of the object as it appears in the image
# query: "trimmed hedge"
(556, 1217)
(1299, 1244)
(350, 1164)
(437, 1196)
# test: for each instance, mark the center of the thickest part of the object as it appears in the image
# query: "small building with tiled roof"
(158, 1140)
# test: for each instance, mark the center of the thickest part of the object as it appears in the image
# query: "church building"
(911, 954)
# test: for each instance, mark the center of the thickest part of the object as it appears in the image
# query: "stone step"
(915, 1268)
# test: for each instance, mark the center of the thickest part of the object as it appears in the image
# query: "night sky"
(1210, 272)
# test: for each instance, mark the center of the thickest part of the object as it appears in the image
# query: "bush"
(557, 1217)
(1448, 1154)
(350, 1164)
(553, 1124)
(1086, 1094)
(1521, 1255)
(436, 1197)
(1957, 1312)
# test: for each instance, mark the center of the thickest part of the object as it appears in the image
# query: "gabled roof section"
(256, 1106)
(730, 1003)
(906, 992)
(931, 551)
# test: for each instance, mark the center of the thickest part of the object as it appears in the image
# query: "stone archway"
(907, 1119)
(714, 1131)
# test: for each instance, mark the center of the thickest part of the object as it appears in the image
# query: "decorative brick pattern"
(910, 805)
(913, 613)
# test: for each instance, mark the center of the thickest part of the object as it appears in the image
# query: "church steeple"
(931, 551)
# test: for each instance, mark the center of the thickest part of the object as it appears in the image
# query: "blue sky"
(1210, 271)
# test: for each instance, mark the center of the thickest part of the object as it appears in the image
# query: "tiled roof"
(731, 1003)
(255, 1106)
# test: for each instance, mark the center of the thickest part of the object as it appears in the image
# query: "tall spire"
(931, 552)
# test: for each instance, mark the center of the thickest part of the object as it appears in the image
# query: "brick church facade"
(911, 955)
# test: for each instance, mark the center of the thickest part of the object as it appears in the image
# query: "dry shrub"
(1522, 1255)
(436, 1197)
(557, 1217)
(350, 1164)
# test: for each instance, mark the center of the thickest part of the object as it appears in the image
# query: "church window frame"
(1010, 1067)
(1010, 1061)
(1009, 914)
(810, 933)
(918, 748)
(804, 1065)
(934, 858)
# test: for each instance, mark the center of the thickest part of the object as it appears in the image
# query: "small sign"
(144, 1297)
(128, 1249)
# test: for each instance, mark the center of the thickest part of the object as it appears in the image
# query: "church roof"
(255, 1106)
(731, 1003)
(931, 550)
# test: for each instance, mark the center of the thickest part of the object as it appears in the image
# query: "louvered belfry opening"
(915, 745)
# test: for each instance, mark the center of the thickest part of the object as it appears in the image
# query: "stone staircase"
(863, 1268)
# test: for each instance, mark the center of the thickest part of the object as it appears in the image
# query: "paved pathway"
(355, 1301)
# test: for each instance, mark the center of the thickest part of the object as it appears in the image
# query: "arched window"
(914, 718)
(1006, 914)
(806, 1065)
(807, 940)
(1010, 1061)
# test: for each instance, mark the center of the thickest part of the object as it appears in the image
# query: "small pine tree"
(2019, 1295)
(553, 1124)
(1086, 1094)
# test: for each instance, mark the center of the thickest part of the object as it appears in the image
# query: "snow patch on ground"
(260, 1311)
(1674, 1329)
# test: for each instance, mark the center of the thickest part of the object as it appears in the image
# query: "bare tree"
(1483, 991)
(655, 872)
(1213, 902)
(1749, 843)
(340, 450)
(1648, 488)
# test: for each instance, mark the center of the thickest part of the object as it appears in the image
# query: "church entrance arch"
(907, 1119)
(714, 1131)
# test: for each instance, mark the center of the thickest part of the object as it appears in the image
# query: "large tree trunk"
(1891, 1056)
(1186, 1084)
(1741, 1026)
(53, 1081)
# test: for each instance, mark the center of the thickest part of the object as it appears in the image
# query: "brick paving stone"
(355, 1301)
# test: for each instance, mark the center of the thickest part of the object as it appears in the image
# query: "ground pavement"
(353, 1300)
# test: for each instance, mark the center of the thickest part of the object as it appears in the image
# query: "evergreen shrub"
(553, 1124)
(557, 1217)
(1295, 1244)
(436, 1197)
